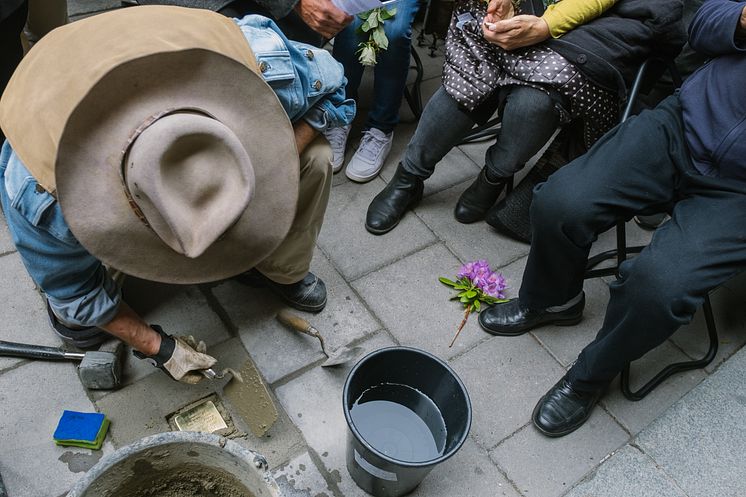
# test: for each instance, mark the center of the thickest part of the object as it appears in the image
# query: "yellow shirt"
(564, 16)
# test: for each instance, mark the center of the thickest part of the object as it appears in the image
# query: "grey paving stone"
(548, 467)
(468, 241)
(314, 402)
(700, 440)
(6, 242)
(730, 322)
(566, 342)
(469, 472)
(635, 416)
(141, 409)
(505, 378)
(179, 309)
(351, 248)
(415, 307)
(24, 315)
(32, 398)
(279, 351)
(628, 472)
(301, 478)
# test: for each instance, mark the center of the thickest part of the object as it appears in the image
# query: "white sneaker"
(368, 160)
(337, 138)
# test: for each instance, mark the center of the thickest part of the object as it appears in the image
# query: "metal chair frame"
(620, 253)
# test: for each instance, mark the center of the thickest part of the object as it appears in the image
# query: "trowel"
(337, 357)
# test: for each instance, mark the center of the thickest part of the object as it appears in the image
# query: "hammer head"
(102, 369)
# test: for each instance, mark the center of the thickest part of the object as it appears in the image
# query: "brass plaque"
(203, 417)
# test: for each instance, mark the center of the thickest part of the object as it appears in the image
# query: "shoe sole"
(302, 307)
(558, 322)
(362, 179)
(557, 434)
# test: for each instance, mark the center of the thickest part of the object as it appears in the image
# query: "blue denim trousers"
(390, 73)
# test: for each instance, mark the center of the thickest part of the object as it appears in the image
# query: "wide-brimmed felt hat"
(170, 156)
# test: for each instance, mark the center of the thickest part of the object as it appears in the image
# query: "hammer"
(98, 369)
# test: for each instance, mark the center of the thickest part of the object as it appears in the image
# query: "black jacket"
(610, 49)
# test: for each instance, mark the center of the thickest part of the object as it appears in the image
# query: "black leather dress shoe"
(403, 192)
(476, 200)
(512, 319)
(308, 294)
(563, 409)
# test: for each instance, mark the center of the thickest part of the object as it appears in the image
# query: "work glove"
(180, 357)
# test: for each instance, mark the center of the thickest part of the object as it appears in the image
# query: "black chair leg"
(414, 97)
(676, 367)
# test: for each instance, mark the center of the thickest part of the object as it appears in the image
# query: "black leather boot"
(478, 198)
(512, 319)
(403, 192)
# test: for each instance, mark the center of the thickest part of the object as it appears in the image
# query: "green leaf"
(365, 27)
(446, 281)
(379, 36)
(464, 299)
(373, 21)
(471, 294)
(387, 14)
(476, 305)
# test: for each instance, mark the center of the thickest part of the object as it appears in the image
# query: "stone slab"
(700, 440)
(468, 241)
(548, 467)
(635, 416)
(627, 473)
(505, 377)
(354, 251)
(140, 409)
(178, 309)
(6, 242)
(278, 350)
(24, 315)
(314, 402)
(415, 307)
(32, 398)
(301, 478)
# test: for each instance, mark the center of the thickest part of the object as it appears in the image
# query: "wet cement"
(252, 400)
(187, 481)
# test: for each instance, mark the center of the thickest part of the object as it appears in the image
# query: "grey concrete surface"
(685, 439)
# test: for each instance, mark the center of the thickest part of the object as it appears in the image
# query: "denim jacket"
(308, 81)
(309, 84)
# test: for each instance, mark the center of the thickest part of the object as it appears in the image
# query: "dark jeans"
(641, 166)
(291, 25)
(529, 117)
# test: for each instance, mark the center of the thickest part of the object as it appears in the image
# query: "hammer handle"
(29, 351)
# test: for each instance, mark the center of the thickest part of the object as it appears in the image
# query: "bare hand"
(517, 32)
(499, 10)
(322, 16)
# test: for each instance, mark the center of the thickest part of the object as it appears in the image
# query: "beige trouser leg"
(43, 17)
(290, 262)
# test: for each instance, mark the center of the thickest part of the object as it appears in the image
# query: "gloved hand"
(180, 357)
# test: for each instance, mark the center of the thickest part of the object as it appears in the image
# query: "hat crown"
(190, 178)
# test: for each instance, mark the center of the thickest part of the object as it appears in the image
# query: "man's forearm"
(129, 327)
(304, 134)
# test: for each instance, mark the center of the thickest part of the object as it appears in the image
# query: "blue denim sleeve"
(713, 29)
(309, 83)
(78, 287)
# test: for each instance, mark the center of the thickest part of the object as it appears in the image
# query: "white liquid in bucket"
(400, 422)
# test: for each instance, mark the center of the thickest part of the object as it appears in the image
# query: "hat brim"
(88, 164)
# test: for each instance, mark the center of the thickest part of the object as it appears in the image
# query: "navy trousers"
(639, 167)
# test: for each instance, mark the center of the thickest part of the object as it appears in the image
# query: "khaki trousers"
(290, 262)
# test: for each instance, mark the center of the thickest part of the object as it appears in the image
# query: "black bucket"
(407, 412)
